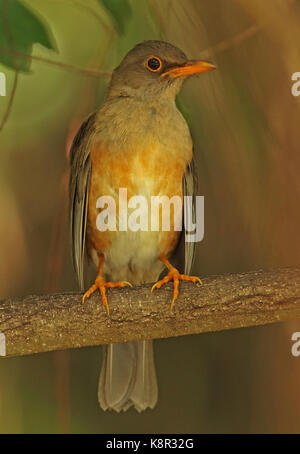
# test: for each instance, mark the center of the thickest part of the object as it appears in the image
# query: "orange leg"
(175, 276)
(101, 285)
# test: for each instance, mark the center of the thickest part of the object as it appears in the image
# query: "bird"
(138, 140)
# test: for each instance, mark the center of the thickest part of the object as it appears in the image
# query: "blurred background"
(245, 125)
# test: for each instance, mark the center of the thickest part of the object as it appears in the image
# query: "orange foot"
(175, 276)
(101, 284)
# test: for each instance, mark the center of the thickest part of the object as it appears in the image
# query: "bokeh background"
(245, 125)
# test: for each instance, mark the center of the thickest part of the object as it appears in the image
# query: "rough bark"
(36, 324)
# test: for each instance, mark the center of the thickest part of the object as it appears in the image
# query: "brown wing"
(78, 190)
(189, 189)
(184, 254)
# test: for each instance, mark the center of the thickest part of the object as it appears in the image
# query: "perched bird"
(137, 140)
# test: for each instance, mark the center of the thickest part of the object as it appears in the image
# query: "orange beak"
(190, 68)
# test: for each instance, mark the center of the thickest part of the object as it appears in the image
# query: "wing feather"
(189, 189)
(79, 190)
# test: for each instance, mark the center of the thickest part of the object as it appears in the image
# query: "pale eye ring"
(154, 64)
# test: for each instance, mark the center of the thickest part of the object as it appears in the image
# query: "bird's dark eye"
(154, 64)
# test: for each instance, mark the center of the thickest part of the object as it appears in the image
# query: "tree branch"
(75, 69)
(53, 322)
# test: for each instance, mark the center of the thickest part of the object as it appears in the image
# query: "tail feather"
(128, 377)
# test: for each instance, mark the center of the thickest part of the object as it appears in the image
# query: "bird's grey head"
(154, 68)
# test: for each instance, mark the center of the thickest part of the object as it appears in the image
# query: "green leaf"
(120, 10)
(19, 30)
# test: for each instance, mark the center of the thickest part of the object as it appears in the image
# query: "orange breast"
(148, 172)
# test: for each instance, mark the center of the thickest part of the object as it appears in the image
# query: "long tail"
(128, 377)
